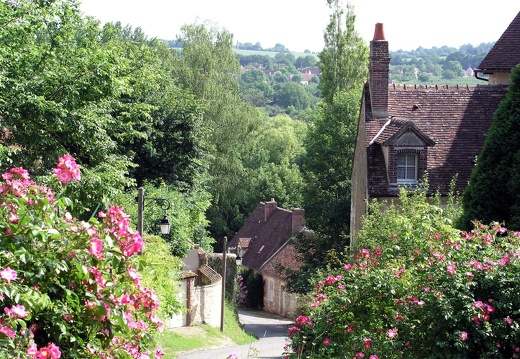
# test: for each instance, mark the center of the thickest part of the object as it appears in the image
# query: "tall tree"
(493, 192)
(208, 68)
(330, 144)
(343, 61)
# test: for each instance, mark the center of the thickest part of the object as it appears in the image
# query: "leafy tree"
(451, 70)
(255, 87)
(307, 61)
(103, 95)
(326, 169)
(343, 61)
(292, 94)
(330, 141)
(209, 69)
(493, 192)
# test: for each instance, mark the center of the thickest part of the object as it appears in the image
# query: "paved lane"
(270, 329)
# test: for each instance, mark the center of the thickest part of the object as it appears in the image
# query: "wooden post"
(140, 209)
(224, 250)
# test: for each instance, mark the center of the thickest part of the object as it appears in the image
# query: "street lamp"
(165, 223)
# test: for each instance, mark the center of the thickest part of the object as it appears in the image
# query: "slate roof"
(505, 54)
(455, 118)
(267, 236)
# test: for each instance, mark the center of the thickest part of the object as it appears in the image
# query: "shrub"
(69, 288)
(423, 290)
(160, 270)
(254, 285)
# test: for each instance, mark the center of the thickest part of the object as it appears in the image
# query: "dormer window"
(406, 168)
(405, 151)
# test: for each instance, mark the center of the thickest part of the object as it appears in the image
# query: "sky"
(300, 24)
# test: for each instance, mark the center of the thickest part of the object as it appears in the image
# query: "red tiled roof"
(267, 236)
(455, 118)
(505, 54)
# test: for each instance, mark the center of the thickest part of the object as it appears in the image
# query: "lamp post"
(165, 223)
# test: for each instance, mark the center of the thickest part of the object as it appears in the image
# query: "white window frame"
(408, 165)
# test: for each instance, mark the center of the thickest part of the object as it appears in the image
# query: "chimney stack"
(298, 220)
(379, 69)
(269, 208)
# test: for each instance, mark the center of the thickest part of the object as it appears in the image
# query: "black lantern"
(165, 225)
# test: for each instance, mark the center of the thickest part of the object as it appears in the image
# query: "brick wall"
(378, 77)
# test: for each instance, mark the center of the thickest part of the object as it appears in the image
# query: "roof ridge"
(447, 87)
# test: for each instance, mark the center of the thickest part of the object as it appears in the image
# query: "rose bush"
(69, 288)
(425, 290)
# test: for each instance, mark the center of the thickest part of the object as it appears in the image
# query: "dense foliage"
(493, 192)
(104, 95)
(70, 288)
(251, 286)
(415, 287)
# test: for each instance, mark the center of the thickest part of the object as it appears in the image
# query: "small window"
(406, 168)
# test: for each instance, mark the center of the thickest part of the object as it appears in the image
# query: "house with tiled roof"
(263, 244)
(407, 131)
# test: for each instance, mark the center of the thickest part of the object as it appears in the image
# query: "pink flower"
(7, 332)
(301, 320)
(347, 266)
(392, 333)
(96, 247)
(64, 176)
(67, 169)
(366, 343)
(67, 317)
(18, 311)
(451, 269)
(360, 355)
(134, 275)
(326, 341)
(508, 320)
(54, 351)
(292, 330)
(232, 356)
(8, 275)
(32, 351)
(159, 353)
(373, 357)
(463, 336)
(330, 280)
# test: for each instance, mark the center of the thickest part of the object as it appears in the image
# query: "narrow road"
(270, 329)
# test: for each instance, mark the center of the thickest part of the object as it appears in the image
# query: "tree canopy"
(493, 192)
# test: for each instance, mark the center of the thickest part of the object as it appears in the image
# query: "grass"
(204, 336)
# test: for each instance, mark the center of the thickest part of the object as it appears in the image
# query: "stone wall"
(276, 299)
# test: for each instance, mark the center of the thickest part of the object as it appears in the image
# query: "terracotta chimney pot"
(379, 33)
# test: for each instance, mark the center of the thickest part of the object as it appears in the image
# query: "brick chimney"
(378, 76)
(298, 220)
(269, 208)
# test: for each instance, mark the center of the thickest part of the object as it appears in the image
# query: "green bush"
(69, 288)
(417, 288)
(254, 287)
(160, 271)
